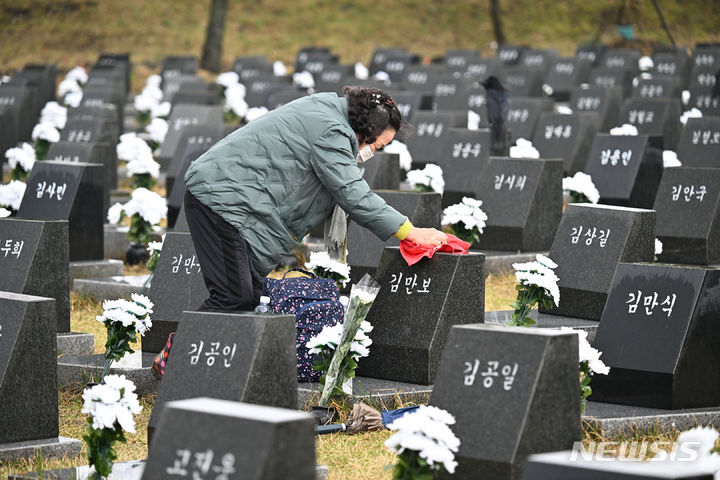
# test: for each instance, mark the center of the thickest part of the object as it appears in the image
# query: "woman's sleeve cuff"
(404, 230)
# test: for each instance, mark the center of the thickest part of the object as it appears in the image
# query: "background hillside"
(71, 32)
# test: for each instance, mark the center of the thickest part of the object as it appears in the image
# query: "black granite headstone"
(34, 261)
(485, 67)
(605, 77)
(176, 196)
(18, 88)
(171, 85)
(365, 249)
(279, 97)
(415, 309)
(260, 88)
(203, 435)
(474, 99)
(699, 144)
(540, 59)
(176, 286)
(28, 372)
(702, 98)
(333, 77)
(250, 66)
(72, 192)
(47, 79)
(314, 59)
(16, 102)
(565, 74)
(88, 131)
(659, 336)
(423, 78)
(675, 64)
(106, 113)
(380, 56)
(511, 54)
(566, 136)
(396, 63)
(654, 116)
(457, 60)
(100, 97)
(181, 116)
(382, 171)
(408, 103)
(198, 93)
(626, 170)
(688, 215)
(243, 357)
(622, 59)
(523, 201)
(524, 114)
(606, 101)
(513, 392)
(101, 153)
(427, 143)
(572, 465)
(593, 52)
(174, 65)
(462, 161)
(523, 81)
(449, 93)
(590, 243)
(656, 87)
(702, 76)
(191, 137)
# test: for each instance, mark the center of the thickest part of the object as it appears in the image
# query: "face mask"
(365, 154)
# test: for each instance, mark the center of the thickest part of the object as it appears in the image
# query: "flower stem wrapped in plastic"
(123, 320)
(110, 407)
(362, 296)
(537, 285)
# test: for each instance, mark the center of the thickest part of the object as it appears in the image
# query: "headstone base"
(544, 320)
(372, 390)
(110, 287)
(75, 343)
(95, 269)
(610, 420)
(116, 240)
(88, 368)
(498, 262)
(60, 447)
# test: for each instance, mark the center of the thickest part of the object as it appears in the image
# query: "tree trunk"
(212, 50)
(497, 23)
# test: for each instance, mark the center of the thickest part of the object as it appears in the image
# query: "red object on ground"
(413, 253)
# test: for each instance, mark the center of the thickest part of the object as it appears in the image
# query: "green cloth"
(281, 174)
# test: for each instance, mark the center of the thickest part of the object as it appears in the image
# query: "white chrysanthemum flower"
(323, 261)
(111, 402)
(142, 164)
(658, 246)
(152, 92)
(144, 103)
(692, 113)
(430, 176)
(473, 120)
(235, 91)
(161, 110)
(132, 147)
(646, 63)
(625, 129)
(157, 129)
(79, 74)
(46, 131)
(581, 183)
(4, 212)
(329, 338)
(68, 85)
(467, 212)
(685, 97)
(541, 274)
(361, 71)
(11, 194)
(670, 159)
(396, 146)
(545, 261)
(304, 80)
(227, 78)
(153, 81)
(254, 113)
(382, 76)
(114, 213)
(426, 431)
(524, 149)
(279, 68)
(23, 156)
(73, 99)
(156, 246)
(151, 206)
(563, 110)
(55, 114)
(143, 299)
(587, 353)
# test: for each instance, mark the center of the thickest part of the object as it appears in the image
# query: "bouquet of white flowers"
(148, 100)
(43, 134)
(580, 188)
(131, 147)
(524, 149)
(692, 113)
(429, 179)
(323, 266)
(11, 195)
(235, 105)
(466, 219)
(21, 160)
(590, 364)
(626, 129)
(424, 443)
(55, 114)
(144, 170)
(157, 128)
(404, 157)
(146, 209)
(537, 284)
(110, 407)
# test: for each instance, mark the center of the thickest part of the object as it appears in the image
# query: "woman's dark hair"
(371, 111)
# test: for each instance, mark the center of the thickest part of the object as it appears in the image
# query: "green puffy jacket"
(281, 174)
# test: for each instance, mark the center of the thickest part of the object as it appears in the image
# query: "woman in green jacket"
(255, 194)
